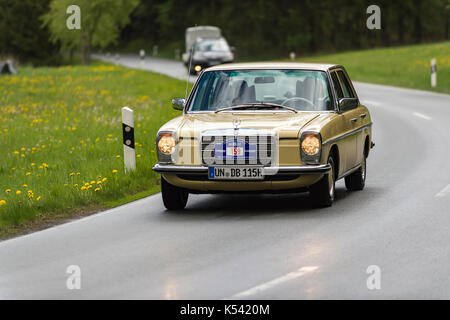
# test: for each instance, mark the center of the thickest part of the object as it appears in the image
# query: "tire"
(357, 179)
(174, 198)
(323, 192)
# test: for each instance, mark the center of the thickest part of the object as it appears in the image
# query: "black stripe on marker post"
(128, 135)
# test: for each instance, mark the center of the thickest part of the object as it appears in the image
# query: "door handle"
(363, 115)
(354, 120)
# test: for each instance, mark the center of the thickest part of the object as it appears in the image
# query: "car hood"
(285, 124)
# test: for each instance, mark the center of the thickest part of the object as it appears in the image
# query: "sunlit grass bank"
(407, 66)
(61, 138)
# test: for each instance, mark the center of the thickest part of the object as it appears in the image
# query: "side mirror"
(348, 104)
(178, 103)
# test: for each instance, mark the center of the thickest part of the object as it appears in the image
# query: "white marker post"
(142, 56)
(433, 73)
(129, 153)
(155, 50)
(292, 56)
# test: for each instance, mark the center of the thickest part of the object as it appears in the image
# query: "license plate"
(236, 173)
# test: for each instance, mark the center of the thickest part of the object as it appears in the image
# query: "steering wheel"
(298, 99)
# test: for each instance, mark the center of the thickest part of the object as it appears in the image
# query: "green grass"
(61, 131)
(407, 66)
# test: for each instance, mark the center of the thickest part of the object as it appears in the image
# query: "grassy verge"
(61, 139)
(407, 66)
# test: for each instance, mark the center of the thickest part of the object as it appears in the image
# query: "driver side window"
(348, 93)
(337, 86)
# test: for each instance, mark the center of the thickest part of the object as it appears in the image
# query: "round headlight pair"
(166, 144)
(311, 144)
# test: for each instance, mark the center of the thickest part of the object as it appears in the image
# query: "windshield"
(207, 45)
(303, 90)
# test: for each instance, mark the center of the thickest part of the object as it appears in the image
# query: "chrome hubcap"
(363, 169)
(331, 182)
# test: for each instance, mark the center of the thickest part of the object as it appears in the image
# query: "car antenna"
(189, 71)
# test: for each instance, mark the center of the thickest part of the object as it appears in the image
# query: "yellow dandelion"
(45, 165)
(16, 152)
(99, 181)
(41, 167)
(8, 190)
(78, 173)
(104, 179)
(86, 184)
(89, 186)
(18, 192)
(118, 156)
(32, 164)
(93, 181)
(2, 202)
(114, 171)
(28, 173)
(71, 174)
(22, 155)
(38, 198)
(25, 185)
(97, 189)
(75, 185)
(83, 188)
(138, 156)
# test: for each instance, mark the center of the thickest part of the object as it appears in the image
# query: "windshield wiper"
(257, 105)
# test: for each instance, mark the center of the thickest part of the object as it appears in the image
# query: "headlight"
(310, 147)
(166, 144)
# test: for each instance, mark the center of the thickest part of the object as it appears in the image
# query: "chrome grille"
(265, 149)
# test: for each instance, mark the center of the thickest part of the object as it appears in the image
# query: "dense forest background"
(276, 27)
(257, 28)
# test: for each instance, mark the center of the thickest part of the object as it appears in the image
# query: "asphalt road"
(269, 246)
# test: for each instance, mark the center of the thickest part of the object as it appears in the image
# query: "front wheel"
(323, 192)
(174, 198)
(357, 179)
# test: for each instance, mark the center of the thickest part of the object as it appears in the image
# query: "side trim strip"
(346, 134)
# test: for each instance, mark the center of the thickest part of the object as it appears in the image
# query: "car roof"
(273, 65)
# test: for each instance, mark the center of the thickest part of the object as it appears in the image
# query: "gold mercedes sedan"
(265, 127)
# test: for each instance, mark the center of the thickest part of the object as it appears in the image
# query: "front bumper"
(268, 171)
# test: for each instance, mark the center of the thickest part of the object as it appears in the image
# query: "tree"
(101, 22)
(21, 35)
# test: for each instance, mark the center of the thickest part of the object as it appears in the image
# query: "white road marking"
(374, 103)
(292, 275)
(443, 192)
(421, 115)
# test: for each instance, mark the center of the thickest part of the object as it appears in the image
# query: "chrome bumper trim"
(268, 171)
